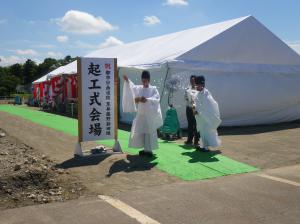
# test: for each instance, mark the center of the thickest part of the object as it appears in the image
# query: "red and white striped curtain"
(41, 86)
(56, 88)
(71, 86)
(35, 91)
(46, 87)
(65, 89)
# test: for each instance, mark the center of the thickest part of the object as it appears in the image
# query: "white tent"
(58, 71)
(252, 74)
(42, 79)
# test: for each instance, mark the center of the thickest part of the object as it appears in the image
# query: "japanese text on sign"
(97, 91)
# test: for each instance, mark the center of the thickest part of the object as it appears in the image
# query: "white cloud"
(14, 59)
(25, 52)
(2, 21)
(62, 39)
(110, 42)
(295, 45)
(151, 20)
(83, 23)
(10, 60)
(176, 2)
(37, 60)
(54, 54)
(44, 46)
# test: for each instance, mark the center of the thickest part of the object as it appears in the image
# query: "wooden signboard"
(97, 99)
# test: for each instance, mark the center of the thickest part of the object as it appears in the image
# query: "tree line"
(24, 74)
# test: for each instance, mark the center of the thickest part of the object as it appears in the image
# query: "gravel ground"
(28, 177)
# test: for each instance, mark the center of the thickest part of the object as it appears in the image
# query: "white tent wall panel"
(245, 98)
(290, 113)
(158, 75)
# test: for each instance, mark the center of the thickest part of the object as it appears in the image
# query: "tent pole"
(117, 147)
(164, 83)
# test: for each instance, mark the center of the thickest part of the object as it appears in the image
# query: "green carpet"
(177, 160)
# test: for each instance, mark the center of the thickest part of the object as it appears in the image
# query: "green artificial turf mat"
(177, 160)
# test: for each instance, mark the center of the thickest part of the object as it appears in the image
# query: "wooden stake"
(80, 131)
(116, 75)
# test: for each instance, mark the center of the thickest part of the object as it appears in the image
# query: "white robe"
(190, 96)
(148, 118)
(207, 118)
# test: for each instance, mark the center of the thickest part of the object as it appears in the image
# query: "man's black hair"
(145, 75)
(200, 80)
(192, 77)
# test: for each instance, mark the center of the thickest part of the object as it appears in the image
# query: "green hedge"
(25, 95)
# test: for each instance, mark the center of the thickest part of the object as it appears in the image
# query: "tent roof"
(241, 40)
(42, 79)
(161, 49)
(248, 42)
(158, 50)
(57, 71)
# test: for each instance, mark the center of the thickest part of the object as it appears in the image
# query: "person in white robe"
(207, 116)
(144, 100)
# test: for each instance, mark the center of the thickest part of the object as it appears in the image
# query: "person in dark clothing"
(192, 126)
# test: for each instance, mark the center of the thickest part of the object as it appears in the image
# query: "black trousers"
(192, 126)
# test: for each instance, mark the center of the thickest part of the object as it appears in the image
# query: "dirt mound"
(27, 177)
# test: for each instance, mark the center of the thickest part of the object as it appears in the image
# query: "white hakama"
(207, 118)
(148, 115)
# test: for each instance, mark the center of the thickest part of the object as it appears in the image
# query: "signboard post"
(97, 101)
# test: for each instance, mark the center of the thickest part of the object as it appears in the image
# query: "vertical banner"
(97, 79)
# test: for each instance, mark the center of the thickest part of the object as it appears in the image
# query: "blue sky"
(38, 29)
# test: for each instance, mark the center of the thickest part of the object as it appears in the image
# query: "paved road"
(246, 198)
